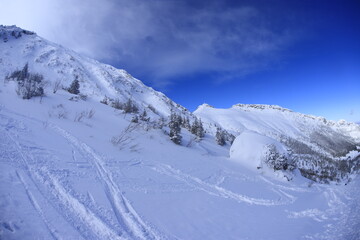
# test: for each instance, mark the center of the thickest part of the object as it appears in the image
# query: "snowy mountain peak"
(9, 32)
(204, 105)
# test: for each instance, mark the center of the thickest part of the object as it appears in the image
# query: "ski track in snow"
(219, 191)
(125, 213)
(86, 222)
(37, 207)
(293, 189)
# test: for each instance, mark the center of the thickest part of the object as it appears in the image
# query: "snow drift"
(251, 148)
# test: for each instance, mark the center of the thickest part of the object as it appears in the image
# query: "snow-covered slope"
(314, 142)
(63, 179)
(74, 168)
(61, 66)
(273, 120)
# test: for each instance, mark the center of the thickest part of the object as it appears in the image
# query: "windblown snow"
(72, 167)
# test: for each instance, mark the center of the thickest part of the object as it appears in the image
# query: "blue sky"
(303, 55)
(317, 73)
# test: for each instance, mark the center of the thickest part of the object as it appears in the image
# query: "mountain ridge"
(59, 64)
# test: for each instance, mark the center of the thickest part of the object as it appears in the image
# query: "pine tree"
(194, 126)
(175, 129)
(161, 122)
(20, 75)
(200, 130)
(143, 116)
(220, 137)
(24, 73)
(74, 87)
(277, 160)
(135, 119)
(197, 128)
(186, 123)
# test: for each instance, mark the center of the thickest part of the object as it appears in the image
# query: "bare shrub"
(28, 84)
(117, 104)
(58, 111)
(84, 114)
(83, 97)
(130, 107)
(57, 86)
(62, 115)
(124, 137)
(31, 87)
(79, 116)
(90, 113)
(106, 100)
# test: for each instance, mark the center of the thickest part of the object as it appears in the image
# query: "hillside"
(322, 150)
(76, 166)
(61, 66)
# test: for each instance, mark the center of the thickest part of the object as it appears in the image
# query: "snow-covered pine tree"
(161, 122)
(186, 123)
(20, 75)
(277, 160)
(197, 128)
(24, 73)
(135, 119)
(220, 136)
(74, 87)
(200, 130)
(175, 129)
(194, 125)
(143, 116)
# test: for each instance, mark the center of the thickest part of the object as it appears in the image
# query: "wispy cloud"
(156, 39)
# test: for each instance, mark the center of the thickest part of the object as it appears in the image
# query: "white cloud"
(158, 39)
